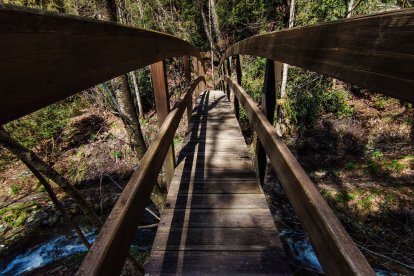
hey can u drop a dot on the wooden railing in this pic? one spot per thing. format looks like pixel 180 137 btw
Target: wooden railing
pixel 46 57
pixel 374 52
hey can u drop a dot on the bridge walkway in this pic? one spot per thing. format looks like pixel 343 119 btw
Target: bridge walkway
pixel 216 219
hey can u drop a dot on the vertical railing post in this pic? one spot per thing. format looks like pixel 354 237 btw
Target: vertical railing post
pixel 196 75
pixel 222 81
pixel 228 74
pixel 162 104
pixel 239 80
pixel 187 77
pixel 268 108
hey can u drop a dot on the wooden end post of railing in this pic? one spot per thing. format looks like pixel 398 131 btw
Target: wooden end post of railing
pixel 335 249
pixel 268 109
pixel 107 254
pixel 229 74
pixel 197 73
pixel 187 77
pixel 239 80
pixel 162 105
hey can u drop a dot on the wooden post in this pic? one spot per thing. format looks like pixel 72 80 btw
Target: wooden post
pixel 196 75
pixel 228 74
pixel 239 80
pixel 187 76
pixel 201 73
pixel 162 104
pixel 268 109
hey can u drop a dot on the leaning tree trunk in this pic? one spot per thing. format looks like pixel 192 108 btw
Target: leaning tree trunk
pixel 31 158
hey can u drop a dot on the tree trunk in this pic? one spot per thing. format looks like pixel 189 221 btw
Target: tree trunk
pixel 216 25
pixel 207 29
pixel 58 204
pixel 126 108
pixel 137 94
pixel 29 157
pixel 106 10
pixel 285 72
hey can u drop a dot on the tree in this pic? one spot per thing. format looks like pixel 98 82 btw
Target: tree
pixel 107 10
pixel 285 72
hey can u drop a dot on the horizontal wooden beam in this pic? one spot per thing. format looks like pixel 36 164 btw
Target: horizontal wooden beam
pixel 335 249
pixel 108 253
pixel 374 52
pixel 46 57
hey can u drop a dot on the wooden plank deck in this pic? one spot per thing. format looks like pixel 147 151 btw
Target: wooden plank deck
pixel 216 219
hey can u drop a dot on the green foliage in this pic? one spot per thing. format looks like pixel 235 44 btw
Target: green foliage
pixel 351 166
pixel 305 91
pixel 366 202
pixel 377 154
pixel 145 88
pixel 46 123
pixel 15 215
pixel 336 101
pixel 394 166
pixel 372 167
pixel 15 189
pixel 253 77
pixel 343 197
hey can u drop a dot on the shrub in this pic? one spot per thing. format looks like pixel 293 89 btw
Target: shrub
pixel 46 123
pixel 336 101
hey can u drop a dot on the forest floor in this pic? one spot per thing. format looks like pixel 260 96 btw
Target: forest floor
pixel 93 153
pixel 364 167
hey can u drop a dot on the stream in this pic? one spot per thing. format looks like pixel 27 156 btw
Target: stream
pixel 62 246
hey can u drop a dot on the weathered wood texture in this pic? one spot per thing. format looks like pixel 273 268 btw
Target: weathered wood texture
pixel 216 219
pixel 335 249
pixel 239 80
pixel 374 52
pixel 46 57
pixel 187 77
pixel 162 104
pixel 107 255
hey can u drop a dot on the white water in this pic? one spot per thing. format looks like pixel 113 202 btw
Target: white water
pixel 48 252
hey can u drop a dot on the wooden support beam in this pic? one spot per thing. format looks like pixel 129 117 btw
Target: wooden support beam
pixel 268 109
pixel 162 104
pixel 197 73
pixel 335 249
pixel 239 80
pixel 46 57
pixel 108 252
pixel 187 77
pixel 228 74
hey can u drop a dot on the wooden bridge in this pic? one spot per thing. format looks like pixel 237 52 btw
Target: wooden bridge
pixel 216 220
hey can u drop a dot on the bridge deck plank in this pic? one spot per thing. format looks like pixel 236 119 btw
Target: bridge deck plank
pixel 216 219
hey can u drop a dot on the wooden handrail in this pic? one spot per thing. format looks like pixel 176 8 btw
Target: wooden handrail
pixel 107 254
pixel 46 57
pixel 374 52
pixel 335 249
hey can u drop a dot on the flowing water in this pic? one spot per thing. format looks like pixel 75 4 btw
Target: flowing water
pixel 62 246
